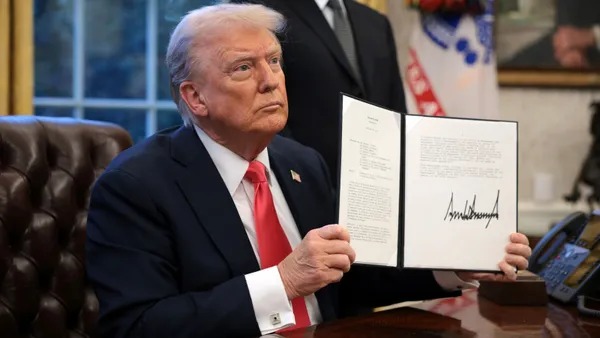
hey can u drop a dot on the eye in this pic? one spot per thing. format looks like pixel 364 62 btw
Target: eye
pixel 243 68
pixel 275 60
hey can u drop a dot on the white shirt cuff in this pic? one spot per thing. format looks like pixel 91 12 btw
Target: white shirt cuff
pixel 449 281
pixel 272 308
pixel 596 32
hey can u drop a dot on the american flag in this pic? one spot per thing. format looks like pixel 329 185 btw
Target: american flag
pixel 295 176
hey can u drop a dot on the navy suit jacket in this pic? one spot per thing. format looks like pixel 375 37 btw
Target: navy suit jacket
pixel 167 251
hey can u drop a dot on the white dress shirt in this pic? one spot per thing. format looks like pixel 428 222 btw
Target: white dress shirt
pixel 272 309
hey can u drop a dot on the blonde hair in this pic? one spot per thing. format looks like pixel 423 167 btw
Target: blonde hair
pixel 199 23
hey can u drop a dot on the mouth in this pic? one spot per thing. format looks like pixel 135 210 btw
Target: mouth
pixel 272 105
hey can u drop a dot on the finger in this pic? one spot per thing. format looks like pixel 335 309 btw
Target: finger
pixel 333 275
pixel 561 41
pixel 474 276
pixel 481 276
pixel 568 61
pixel 334 231
pixel 564 48
pixel 517 237
pixel 518 261
pixel 339 262
pixel 486 276
pixel 556 41
pixel 337 246
pixel 573 61
pixel 508 270
pixel 563 55
pixel 518 249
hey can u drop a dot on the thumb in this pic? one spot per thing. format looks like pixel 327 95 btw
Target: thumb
pixel 334 231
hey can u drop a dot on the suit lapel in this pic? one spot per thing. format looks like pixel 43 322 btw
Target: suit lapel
pixel 206 192
pixel 309 12
pixel 296 193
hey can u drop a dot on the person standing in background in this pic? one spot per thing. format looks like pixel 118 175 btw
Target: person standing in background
pixel 576 40
pixel 573 42
pixel 333 46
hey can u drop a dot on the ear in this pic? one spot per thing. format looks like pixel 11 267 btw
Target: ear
pixel 190 93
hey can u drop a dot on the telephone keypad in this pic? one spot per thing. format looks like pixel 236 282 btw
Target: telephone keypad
pixel 561 266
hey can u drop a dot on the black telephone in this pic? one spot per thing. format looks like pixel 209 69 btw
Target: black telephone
pixel 568 259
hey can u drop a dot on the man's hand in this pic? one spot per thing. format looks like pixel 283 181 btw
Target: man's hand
pixel 569 38
pixel 573 58
pixel 322 258
pixel 517 255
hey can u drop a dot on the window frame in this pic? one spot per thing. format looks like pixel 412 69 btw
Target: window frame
pixel 78 102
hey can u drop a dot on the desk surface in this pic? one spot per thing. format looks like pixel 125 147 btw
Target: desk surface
pixel 465 316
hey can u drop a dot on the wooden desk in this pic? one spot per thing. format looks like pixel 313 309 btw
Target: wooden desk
pixel 465 316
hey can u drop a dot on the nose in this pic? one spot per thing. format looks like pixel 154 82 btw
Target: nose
pixel 268 81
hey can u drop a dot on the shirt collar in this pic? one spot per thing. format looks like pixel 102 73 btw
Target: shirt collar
pixel 322 4
pixel 230 165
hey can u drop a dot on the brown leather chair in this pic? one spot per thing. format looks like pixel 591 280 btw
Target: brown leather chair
pixel 47 167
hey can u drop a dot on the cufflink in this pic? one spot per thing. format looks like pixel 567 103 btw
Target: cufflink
pixel 275 319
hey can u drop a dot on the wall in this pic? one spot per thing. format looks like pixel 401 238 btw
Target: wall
pixel 553 133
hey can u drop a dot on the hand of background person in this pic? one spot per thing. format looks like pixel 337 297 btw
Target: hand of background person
pixel 572 59
pixel 570 46
pixel 517 255
pixel 568 38
pixel 323 256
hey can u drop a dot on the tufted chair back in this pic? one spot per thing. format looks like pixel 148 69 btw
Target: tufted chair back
pixel 47 167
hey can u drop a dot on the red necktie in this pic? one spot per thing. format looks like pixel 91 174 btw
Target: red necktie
pixel 273 245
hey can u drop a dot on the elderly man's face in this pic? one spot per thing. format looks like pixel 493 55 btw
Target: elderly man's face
pixel 242 83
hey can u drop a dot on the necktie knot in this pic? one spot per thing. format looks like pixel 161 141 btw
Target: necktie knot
pixel 334 4
pixel 256 172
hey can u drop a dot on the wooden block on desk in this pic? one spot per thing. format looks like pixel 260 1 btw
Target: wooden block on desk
pixel 514 318
pixel 529 289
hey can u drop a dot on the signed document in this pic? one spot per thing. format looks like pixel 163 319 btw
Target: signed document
pixel 426 192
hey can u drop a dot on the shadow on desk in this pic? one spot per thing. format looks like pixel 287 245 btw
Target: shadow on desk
pixel 466 316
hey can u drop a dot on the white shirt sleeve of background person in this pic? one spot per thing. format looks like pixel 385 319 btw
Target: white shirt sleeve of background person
pixel 272 308
pixel 449 281
pixel 596 32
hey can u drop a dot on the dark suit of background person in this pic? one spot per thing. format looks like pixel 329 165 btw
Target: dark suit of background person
pixel 167 251
pixel 317 69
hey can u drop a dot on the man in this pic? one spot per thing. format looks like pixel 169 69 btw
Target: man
pixel 221 228
pixel 576 40
pixel 333 46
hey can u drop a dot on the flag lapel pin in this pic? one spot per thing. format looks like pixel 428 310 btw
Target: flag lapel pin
pixel 295 176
